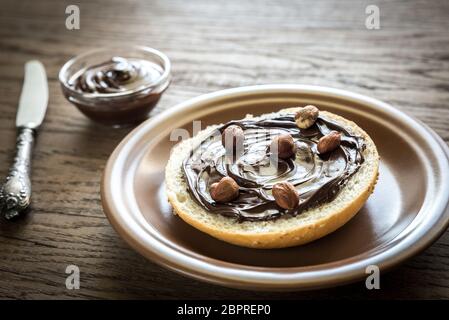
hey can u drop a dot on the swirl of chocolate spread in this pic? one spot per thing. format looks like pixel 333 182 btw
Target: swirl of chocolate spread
pixel 117 75
pixel 317 178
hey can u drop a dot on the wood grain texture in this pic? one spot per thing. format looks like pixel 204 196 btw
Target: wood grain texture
pixel 212 46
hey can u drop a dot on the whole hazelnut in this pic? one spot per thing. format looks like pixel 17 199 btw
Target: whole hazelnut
pixel 232 136
pixel 329 142
pixel 224 190
pixel 306 116
pixel 285 195
pixel 283 145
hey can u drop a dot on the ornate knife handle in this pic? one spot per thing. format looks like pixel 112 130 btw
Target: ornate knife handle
pixel 15 194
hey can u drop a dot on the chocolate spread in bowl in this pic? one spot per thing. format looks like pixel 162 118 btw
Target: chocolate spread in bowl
pixel 317 178
pixel 117 91
pixel 117 75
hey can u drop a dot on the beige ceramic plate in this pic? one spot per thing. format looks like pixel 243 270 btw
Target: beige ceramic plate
pixel 407 212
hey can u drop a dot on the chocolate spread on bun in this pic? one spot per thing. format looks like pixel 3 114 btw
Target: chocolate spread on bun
pixel 317 176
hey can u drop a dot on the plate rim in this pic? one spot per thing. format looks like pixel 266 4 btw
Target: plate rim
pixel 254 278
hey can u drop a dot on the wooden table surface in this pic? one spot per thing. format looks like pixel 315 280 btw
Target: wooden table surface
pixel 212 46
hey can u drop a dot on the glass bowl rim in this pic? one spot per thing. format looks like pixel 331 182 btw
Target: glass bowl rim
pixel 165 76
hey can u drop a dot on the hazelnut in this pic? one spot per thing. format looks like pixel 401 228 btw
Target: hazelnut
pixel 234 134
pixel 329 142
pixel 225 190
pixel 283 145
pixel 306 117
pixel 285 195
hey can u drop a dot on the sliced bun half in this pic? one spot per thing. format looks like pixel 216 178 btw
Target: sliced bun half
pixel 286 231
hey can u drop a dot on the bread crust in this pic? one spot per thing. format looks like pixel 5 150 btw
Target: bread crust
pixel 297 232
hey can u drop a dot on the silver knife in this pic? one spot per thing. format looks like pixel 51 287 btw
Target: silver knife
pixel 15 194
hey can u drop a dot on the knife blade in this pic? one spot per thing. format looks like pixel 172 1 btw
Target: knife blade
pixel 34 97
pixel 15 194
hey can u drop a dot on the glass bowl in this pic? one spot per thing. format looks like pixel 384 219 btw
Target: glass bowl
pixel 116 86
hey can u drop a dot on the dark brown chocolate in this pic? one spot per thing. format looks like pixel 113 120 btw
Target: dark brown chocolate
pixel 117 75
pixel 317 178
pixel 117 91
